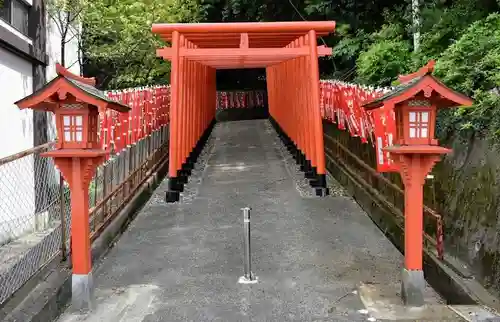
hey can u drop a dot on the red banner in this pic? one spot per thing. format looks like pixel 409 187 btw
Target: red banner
pixel 340 103
pixel 343 104
pixel 149 110
pixel 239 99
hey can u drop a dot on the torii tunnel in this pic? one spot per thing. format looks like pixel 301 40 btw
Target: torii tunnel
pixel 287 50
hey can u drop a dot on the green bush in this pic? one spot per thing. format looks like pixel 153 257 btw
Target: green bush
pixel 472 66
pixel 383 61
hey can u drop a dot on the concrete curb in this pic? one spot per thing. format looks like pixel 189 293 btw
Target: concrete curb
pixel 443 278
pixel 51 296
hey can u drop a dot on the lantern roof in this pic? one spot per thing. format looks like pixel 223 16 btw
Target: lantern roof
pixel 48 97
pixel 421 81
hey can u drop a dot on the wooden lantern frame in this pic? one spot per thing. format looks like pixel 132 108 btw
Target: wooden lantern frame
pixel 70 90
pixel 404 99
pixel 404 123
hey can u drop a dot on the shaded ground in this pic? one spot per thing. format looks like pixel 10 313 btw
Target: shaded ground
pixel 181 262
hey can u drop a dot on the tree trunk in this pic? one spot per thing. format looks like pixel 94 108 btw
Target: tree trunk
pixel 63 50
pixel 415 4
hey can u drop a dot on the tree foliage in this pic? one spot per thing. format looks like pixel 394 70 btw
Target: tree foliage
pixel 114 28
pixel 373 43
pixel 471 65
pixel 383 61
pixel 118 44
pixel 462 36
pixel 67 16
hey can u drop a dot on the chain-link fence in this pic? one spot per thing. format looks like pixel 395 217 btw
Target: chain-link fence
pixel 35 215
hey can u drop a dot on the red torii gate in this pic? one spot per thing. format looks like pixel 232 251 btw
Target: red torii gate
pixel 288 51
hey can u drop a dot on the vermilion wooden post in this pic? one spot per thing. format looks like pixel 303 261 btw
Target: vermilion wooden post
pixel 310 171
pixel 206 98
pixel 197 103
pixel 202 89
pixel 287 117
pixel 299 116
pixel 298 110
pixel 195 107
pixel 320 181
pixel 189 101
pixel 309 155
pixel 181 139
pixel 201 102
pixel 192 106
pixel 293 84
pixel 285 88
pixel 298 107
pixel 189 105
pixel 174 115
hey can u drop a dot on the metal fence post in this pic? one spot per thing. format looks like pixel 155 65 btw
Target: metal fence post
pixel 62 213
pixel 105 188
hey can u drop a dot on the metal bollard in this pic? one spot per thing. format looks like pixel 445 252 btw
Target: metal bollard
pixel 248 277
pixel 246 231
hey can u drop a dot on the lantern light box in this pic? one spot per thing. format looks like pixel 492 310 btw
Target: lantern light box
pixel 76 104
pixel 415 104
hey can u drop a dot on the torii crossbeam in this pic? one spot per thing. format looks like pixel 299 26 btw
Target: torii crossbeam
pixel 288 51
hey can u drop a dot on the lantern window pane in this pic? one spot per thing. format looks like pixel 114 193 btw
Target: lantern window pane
pixel 423 132
pixel 79 119
pixel 413 117
pixel 412 132
pixel 425 116
pixel 73 128
pixel 419 124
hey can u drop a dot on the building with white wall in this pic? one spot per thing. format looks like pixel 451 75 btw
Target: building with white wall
pixel 29 48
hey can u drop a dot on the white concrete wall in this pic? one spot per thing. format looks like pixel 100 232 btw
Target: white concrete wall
pixel 17 194
pixel 16 130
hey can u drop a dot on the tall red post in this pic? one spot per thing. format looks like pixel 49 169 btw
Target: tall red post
pixel 320 180
pixel 181 139
pixel 174 111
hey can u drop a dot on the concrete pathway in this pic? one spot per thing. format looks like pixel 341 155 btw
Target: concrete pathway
pixel 181 262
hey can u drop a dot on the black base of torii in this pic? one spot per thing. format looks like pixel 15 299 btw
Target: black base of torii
pixel 176 184
pixel 316 181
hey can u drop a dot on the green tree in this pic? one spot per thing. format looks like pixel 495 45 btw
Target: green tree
pixel 385 58
pixel 118 44
pixel 67 16
pixel 444 25
pixel 470 65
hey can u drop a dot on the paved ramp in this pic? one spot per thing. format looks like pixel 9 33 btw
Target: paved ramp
pixel 181 262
